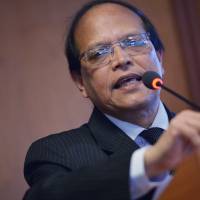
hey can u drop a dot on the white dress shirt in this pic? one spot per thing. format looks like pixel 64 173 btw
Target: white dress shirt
pixel 140 184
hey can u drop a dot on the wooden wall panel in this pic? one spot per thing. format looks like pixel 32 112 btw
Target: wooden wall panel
pixel 187 15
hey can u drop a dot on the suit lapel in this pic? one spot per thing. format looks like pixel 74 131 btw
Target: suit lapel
pixel 169 113
pixel 108 136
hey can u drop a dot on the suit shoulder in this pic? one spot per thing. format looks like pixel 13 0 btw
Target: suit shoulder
pixel 61 147
pixel 70 149
pixel 62 139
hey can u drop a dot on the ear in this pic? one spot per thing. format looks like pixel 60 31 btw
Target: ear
pixel 79 83
pixel 160 58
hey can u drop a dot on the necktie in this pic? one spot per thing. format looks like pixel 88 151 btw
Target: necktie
pixel 151 135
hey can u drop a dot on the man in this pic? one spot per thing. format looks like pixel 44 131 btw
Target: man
pixel 110 45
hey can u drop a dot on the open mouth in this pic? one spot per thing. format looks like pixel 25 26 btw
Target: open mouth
pixel 127 80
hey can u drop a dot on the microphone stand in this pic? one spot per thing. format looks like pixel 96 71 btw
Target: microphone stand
pixel 195 106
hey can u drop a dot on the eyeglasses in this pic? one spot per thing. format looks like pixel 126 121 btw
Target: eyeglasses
pixel 133 44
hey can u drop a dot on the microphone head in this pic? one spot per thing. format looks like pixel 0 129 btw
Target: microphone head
pixel 152 80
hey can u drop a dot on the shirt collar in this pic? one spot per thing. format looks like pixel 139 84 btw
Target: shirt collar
pixel 132 130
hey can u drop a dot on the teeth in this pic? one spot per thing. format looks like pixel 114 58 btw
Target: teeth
pixel 127 81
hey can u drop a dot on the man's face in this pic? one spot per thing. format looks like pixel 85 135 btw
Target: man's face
pixel 105 24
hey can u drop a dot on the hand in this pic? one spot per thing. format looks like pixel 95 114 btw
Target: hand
pixel 181 139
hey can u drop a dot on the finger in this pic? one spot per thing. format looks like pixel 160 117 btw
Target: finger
pixel 189 115
pixel 193 123
pixel 188 133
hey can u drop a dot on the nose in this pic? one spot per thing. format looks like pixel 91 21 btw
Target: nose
pixel 120 58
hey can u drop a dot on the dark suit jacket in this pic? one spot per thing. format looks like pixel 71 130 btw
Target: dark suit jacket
pixel 90 163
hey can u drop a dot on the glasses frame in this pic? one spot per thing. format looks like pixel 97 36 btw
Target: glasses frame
pixel 145 37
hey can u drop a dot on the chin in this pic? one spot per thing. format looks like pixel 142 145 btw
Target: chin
pixel 140 102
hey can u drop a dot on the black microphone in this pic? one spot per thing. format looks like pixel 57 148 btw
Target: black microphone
pixel 152 80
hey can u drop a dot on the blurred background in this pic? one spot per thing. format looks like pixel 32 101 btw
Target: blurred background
pixel 37 95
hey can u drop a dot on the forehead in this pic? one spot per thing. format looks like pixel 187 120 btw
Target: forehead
pixel 105 23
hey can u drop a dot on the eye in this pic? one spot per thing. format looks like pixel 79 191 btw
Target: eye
pixel 96 54
pixel 134 43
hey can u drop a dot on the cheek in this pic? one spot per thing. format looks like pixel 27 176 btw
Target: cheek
pixel 156 62
pixel 150 62
pixel 98 83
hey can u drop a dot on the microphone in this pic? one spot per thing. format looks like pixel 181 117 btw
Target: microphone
pixel 152 80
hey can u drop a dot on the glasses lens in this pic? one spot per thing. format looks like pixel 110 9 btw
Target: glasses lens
pixel 98 55
pixel 137 45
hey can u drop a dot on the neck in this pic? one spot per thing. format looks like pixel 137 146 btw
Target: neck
pixel 143 115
